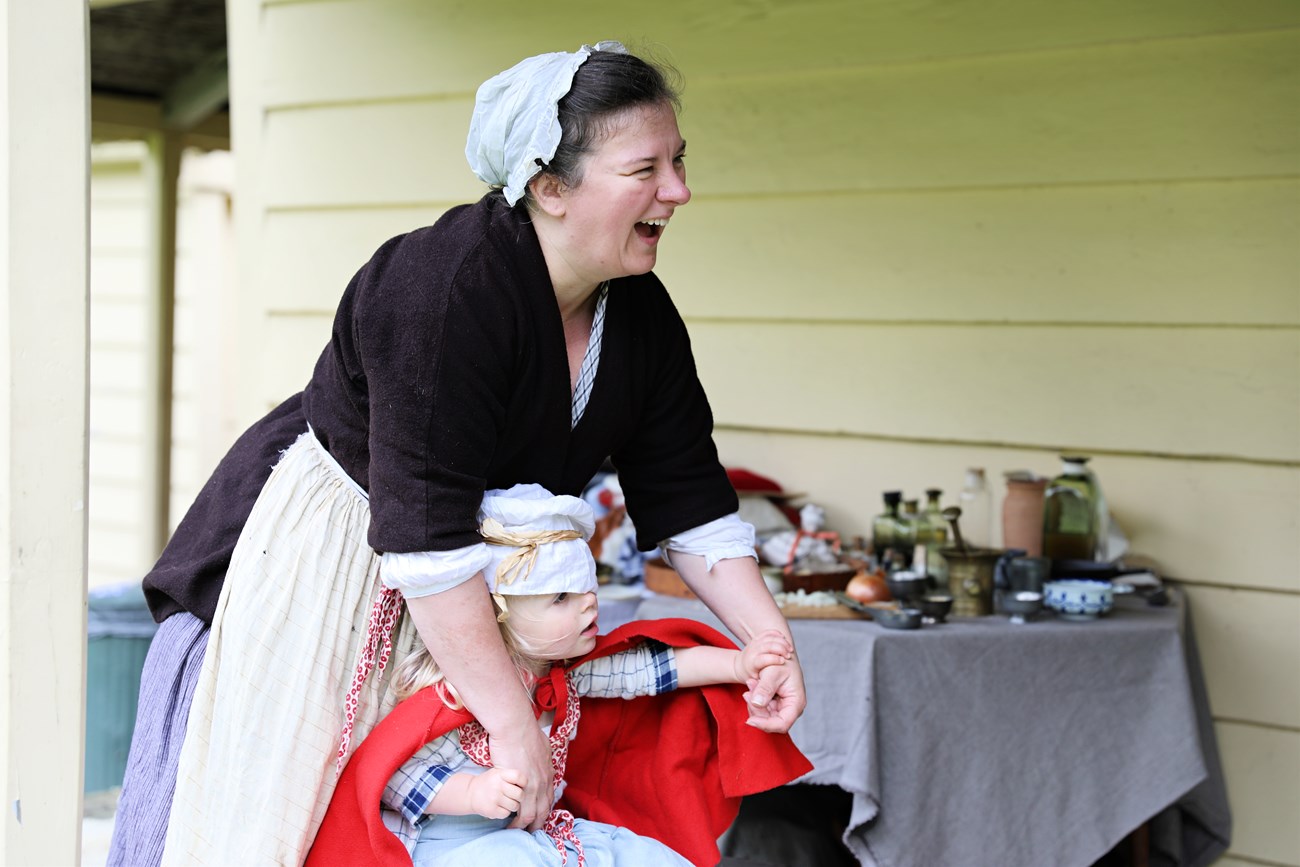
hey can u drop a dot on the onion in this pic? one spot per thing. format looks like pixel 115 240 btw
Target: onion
pixel 868 587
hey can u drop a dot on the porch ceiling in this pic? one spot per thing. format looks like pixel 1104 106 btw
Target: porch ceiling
pixel 169 51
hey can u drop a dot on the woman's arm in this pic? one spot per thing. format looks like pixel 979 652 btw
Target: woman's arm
pixel 460 630
pixel 735 592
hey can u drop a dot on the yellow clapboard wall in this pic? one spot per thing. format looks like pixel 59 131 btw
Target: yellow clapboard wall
pixel 117 510
pixel 119 506
pixel 924 237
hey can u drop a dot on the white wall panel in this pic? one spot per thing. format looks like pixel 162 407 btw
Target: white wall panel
pixel 1166 253
pixel 323 249
pixel 290 354
pixel 1262 767
pixel 1251 657
pixel 361 50
pixel 385 154
pixel 1144 112
pixel 1128 389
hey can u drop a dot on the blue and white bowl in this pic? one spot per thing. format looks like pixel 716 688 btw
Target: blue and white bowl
pixel 1077 599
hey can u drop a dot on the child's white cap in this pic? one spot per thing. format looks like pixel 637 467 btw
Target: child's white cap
pixel 537 541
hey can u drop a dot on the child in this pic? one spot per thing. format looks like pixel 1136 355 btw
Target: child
pixel 446 804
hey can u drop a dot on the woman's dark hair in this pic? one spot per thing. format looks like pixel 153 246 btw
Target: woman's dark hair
pixel 605 85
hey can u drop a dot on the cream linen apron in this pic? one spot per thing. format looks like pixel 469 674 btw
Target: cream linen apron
pixel 258 765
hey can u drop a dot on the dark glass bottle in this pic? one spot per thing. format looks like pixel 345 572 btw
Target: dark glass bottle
pixel 936 537
pixel 1070 513
pixel 910 531
pixel 884 527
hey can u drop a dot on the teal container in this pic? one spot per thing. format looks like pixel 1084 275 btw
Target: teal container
pixel 119 628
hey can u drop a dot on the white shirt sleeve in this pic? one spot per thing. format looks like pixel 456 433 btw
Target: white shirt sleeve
pixel 424 573
pixel 725 538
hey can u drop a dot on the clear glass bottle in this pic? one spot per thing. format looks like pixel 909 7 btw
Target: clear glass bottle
pixel 976 502
pixel 1070 512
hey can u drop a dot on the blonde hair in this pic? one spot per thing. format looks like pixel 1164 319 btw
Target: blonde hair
pixel 419 670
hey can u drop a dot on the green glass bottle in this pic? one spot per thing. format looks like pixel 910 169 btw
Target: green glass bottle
pixel 936 537
pixel 1070 512
pixel 885 525
pixel 910 532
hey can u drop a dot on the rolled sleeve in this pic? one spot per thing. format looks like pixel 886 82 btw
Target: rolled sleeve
pixel 424 573
pixel 725 538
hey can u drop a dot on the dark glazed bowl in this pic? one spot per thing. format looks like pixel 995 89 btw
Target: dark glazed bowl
pixel 1022 605
pixel 907 586
pixel 897 618
pixel 935 608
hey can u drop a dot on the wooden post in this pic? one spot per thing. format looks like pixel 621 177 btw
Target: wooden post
pixel 162 173
pixel 44 250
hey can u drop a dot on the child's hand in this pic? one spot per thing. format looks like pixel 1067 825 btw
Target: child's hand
pixel 767 648
pixel 495 793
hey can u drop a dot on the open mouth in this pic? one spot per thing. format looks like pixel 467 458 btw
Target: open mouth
pixel 651 229
pixel 590 630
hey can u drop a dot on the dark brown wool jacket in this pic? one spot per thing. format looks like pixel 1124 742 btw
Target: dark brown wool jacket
pixel 447 375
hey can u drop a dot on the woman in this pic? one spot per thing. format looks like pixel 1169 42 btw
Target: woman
pixel 520 339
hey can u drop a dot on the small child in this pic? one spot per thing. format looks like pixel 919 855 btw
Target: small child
pixel 447 804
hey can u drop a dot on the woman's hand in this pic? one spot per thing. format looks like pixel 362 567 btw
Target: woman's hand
pixel 734 590
pixel 459 627
pixel 776 697
pixel 528 751
pixel 496 792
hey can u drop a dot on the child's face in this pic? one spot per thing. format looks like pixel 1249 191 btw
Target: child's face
pixel 557 625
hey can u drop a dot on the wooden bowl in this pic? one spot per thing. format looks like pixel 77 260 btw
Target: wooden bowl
pixel 662 578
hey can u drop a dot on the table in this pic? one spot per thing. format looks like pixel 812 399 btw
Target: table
pixel 980 742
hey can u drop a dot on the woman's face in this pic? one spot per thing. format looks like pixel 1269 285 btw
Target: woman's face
pixel 631 184
pixel 555 626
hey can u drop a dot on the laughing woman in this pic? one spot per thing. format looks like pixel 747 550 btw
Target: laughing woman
pixel 521 339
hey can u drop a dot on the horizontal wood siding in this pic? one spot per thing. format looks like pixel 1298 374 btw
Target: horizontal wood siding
pixel 1196 252
pixel 924 237
pixel 1263 816
pixel 120 508
pixel 1111 389
pixel 206 335
pixel 117 512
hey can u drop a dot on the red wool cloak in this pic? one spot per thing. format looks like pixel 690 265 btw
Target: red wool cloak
pixel 672 766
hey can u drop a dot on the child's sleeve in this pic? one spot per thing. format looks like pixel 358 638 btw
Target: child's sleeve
pixel 647 669
pixel 416 782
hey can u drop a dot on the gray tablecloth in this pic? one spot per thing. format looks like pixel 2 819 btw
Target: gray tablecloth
pixel 980 742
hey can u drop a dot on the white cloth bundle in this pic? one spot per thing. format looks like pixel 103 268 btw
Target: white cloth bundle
pixel 530 564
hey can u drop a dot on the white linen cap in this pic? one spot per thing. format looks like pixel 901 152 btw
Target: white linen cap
pixel 516 120
pixel 537 542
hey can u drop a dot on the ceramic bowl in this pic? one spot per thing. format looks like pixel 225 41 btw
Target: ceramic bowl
pixel 1079 599
pixel 897 618
pixel 934 609
pixel 1022 604
pixel 907 586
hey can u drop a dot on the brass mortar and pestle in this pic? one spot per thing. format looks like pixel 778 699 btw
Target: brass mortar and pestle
pixel 970 572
